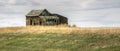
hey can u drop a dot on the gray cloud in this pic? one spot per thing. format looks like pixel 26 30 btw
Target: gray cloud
pixel 80 12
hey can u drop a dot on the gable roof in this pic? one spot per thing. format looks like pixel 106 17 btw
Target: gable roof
pixel 59 15
pixel 35 12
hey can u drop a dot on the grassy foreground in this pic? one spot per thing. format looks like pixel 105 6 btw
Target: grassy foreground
pixel 48 41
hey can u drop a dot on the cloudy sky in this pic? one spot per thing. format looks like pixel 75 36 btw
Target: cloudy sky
pixel 83 13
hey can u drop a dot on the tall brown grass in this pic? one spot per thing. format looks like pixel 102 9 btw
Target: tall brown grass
pixel 61 29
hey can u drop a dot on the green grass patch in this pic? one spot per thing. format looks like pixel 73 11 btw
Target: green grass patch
pixel 59 42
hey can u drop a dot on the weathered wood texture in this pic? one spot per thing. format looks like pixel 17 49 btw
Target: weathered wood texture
pixel 44 18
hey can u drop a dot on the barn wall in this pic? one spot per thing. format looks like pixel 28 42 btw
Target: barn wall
pixel 63 20
pixel 27 20
pixel 49 20
pixel 43 21
pixel 33 20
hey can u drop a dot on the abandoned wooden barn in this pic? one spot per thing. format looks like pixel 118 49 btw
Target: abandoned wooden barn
pixel 43 17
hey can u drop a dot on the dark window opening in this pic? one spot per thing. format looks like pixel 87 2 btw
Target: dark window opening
pixel 49 20
pixel 40 22
pixel 34 23
pixel 30 22
pixel 55 20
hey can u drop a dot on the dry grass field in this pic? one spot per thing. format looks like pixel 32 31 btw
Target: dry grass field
pixel 60 29
pixel 59 38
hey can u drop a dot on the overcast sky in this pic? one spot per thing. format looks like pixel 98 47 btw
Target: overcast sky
pixel 83 13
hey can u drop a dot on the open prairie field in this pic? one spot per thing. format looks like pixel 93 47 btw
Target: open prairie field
pixel 60 29
pixel 58 38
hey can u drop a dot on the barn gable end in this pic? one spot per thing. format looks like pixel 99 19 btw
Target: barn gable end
pixel 41 12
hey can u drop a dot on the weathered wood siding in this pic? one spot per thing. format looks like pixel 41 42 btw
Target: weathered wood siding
pixel 33 20
pixel 45 18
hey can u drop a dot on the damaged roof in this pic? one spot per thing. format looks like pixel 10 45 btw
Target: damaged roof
pixel 35 12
